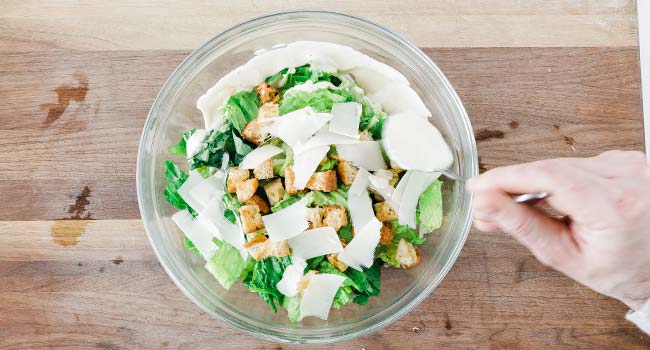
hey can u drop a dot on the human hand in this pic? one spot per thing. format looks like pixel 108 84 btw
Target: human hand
pixel 604 244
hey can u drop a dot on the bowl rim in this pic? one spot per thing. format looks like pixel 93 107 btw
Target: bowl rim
pixel 243 325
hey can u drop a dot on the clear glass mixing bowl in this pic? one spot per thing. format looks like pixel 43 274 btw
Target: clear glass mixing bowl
pixel 174 111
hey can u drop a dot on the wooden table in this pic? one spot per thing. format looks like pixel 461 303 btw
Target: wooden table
pixel 539 79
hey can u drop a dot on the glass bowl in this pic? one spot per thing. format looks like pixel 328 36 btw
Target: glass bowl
pixel 174 111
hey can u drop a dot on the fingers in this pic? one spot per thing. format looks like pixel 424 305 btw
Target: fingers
pixel 548 239
pixel 573 191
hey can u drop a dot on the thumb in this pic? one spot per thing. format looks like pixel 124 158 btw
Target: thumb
pixel 547 238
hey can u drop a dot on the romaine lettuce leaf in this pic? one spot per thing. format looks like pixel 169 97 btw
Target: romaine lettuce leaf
pixel 232 205
pixel 180 148
pixel 264 278
pixel 189 245
pixel 328 165
pixel 175 178
pixel 287 201
pixel 293 307
pixel 241 109
pixel 429 213
pixel 320 100
pixel 226 265
pixel 388 254
pixel 337 197
pixel 300 75
pixel 345 232
pixel 406 233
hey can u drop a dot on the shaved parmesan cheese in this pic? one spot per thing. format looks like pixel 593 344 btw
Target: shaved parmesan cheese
pixel 366 154
pixel 361 249
pixel 298 126
pixel 292 275
pixel 345 118
pixel 195 142
pixel 319 294
pixel 325 137
pixel 287 222
pixel 305 164
pixel 361 211
pixel 207 190
pixel 417 182
pixel 396 99
pixel 380 184
pixel 200 235
pixel 316 242
pixel 401 186
pixel 259 155
pixel 415 144
pixel 184 191
pixel 213 217
pixel 359 183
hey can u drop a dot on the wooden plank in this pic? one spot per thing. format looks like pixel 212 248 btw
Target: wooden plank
pixel 587 92
pixel 79 297
pixel 27 26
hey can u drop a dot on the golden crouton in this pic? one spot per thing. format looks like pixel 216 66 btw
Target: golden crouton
pixel 304 282
pixel 274 191
pixel 251 218
pixel 255 132
pixel 260 202
pixel 235 176
pixel 289 179
pixel 323 181
pixel 264 170
pixel 335 216
pixel 347 172
pixel 268 110
pixel 277 249
pixel 261 247
pixel 257 247
pixel 407 255
pixel 395 179
pixel 386 234
pixel 384 212
pixel 334 260
pixel 267 93
pixel 246 189
pixel 315 217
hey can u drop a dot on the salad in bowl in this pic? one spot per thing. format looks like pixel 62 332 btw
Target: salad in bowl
pixel 314 170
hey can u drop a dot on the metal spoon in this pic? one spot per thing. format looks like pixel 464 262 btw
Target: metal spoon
pixel 520 198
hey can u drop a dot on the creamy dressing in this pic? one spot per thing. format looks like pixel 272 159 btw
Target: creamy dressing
pixel 310 86
pixel 371 75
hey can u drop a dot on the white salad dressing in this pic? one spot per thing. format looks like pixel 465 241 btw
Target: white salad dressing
pixel 373 76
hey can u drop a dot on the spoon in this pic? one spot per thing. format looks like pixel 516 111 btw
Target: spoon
pixel 520 198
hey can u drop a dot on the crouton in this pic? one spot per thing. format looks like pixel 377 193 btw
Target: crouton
pixel 235 176
pixel 260 202
pixel 251 218
pixel 335 216
pixel 323 181
pixel 384 212
pixel 268 110
pixel 315 217
pixel 261 247
pixel 407 255
pixel 386 234
pixel 267 93
pixel 246 189
pixel 274 191
pixel 264 170
pixel 277 249
pixel 255 132
pixel 334 260
pixel 395 179
pixel 257 247
pixel 304 282
pixel 347 172
pixel 289 179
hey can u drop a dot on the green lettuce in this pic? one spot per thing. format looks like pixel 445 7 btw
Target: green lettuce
pixel 388 254
pixel 320 100
pixel 217 143
pixel 345 232
pixel 265 276
pixel 189 245
pixel 429 213
pixel 300 75
pixel 358 286
pixel 175 179
pixel 232 205
pixel 283 159
pixel 293 307
pixel 180 148
pixel 226 265
pixel 328 165
pixel 406 233
pixel 241 109
pixel 337 197
pixel 287 201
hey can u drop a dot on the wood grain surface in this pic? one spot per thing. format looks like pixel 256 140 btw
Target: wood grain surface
pixel 539 79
